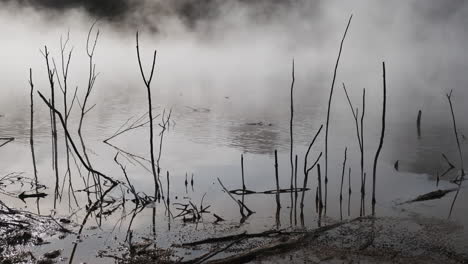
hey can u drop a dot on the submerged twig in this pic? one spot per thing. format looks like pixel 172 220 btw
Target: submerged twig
pixel 6 140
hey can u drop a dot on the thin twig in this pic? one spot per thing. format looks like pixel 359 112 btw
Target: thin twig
pixel 331 95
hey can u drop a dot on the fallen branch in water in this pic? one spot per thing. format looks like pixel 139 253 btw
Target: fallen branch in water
pixel 6 140
pixel 247 192
pixel 430 196
pixel 280 246
pixel 241 205
pixel 24 195
pixel 244 235
pixel 450 168
pixel 218 218
pixel 448 162
pixel 75 149
pixel 209 255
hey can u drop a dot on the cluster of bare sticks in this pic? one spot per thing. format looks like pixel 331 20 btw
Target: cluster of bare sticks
pixel 97 185
pixel 321 184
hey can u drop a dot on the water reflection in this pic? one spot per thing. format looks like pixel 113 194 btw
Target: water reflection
pixel 425 154
pixel 255 138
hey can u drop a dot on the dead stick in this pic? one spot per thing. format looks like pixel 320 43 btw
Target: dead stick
pixel 291 150
pixel 242 171
pixel 331 95
pixel 72 143
pixel 150 112
pixel 374 177
pixel 278 203
pixel 342 174
pixel 455 130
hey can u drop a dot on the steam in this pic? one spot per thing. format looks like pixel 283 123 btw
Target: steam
pixel 109 9
pixel 150 13
pixel 214 48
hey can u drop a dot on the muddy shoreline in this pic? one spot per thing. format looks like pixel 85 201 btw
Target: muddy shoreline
pixel 409 238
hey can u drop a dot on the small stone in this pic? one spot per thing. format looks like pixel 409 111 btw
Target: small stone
pixel 52 254
pixel 65 221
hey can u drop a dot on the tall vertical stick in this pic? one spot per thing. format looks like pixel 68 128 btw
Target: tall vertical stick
pixel 150 111
pixel 291 150
pixel 363 179
pixel 331 95
pixel 242 171
pixel 277 180
pixel 455 130
pixel 65 63
pixel 381 137
pixel 92 76
pixel 31 134
pixel 50 74
pixel 458 180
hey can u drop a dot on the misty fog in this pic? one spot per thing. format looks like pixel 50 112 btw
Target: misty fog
pixel 243 51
